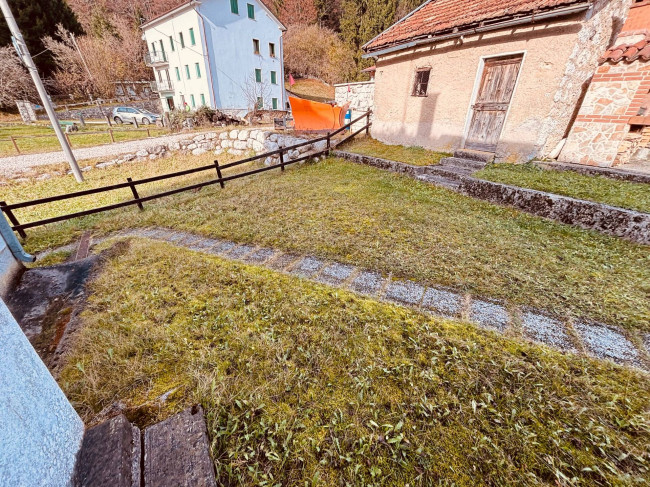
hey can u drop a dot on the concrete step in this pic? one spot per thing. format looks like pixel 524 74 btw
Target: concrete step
pixel 458 162
pixel 449 172
pixel 475 155
pixel 440 181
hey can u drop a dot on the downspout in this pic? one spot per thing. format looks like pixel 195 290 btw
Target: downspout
pixel 13 243
pixel 476 30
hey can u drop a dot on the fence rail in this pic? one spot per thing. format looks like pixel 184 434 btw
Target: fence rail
pixel 8 209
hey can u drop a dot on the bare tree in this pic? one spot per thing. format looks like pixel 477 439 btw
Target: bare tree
pixel 257 94
pixel 15 83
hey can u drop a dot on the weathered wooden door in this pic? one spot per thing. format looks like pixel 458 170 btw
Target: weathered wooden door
pixel 489 110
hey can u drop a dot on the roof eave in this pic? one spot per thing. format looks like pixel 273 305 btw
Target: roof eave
pixel 161 18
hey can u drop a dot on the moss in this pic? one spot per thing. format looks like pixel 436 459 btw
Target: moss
pixel 303 384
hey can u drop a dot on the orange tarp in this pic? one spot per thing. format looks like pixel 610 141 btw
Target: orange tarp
pixel 312 115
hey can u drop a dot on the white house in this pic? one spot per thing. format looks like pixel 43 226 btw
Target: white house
pixel 226 54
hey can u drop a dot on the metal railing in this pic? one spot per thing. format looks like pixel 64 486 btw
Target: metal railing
pixel 160 86
pixel 8 209
pixel 153 58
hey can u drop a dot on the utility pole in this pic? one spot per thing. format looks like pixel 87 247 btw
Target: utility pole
pixel 26 58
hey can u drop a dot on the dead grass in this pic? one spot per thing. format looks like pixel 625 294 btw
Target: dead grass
pixel 416 156
pixel 307 385
pixel 312 89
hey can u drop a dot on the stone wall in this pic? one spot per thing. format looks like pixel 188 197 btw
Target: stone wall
pixel 361 97
pixel 10 268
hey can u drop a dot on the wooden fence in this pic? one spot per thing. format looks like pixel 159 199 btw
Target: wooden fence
pixel 8 209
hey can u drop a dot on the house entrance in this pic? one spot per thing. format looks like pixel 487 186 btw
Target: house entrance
pixel 489 110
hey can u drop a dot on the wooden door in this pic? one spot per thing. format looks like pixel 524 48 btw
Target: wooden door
pixel 491 105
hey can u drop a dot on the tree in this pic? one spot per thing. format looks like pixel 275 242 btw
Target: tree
pixel 15 82
pixel 256 93
pixel 317 52
pixel 293 12
pixel 38 19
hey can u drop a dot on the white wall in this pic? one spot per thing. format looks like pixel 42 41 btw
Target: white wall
pixel 40 432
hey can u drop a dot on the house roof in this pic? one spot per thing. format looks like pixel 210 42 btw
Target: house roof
pixel 627 52
pixel 436 17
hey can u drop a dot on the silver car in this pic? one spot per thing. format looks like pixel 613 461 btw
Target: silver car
pixel 130 115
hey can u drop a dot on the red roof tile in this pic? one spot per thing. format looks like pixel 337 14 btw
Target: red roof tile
pixel 627 52
pixel 441 16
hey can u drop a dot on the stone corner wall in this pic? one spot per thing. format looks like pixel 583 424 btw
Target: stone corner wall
pixel 360 95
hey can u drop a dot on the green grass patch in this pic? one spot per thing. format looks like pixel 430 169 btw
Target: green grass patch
pixel 307 385
pixel 379 220
pixel 624 194
pixel 417 156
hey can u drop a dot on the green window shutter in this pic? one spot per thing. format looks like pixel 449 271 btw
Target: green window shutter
pixel 202 99
pixel 260 102
pixel 234 6
pixel 198 70
pixel 192 38
pixel 274 80
pixel 180 38
pixel 251 11
pixel 171 43
pixel 258 75
pixel 153 47
pixel 193 101
pixel 274 102
pixel 187 71
pixel 162 46
pixel 178 74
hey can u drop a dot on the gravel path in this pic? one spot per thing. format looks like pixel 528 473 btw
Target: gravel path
pixel 15 165
pixel 593 339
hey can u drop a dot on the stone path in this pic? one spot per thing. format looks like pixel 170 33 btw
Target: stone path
pixel 594 339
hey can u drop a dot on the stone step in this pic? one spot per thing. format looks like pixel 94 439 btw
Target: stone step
pixel 449 172
pixel 458 162
pixel 440 181
pixel 475 155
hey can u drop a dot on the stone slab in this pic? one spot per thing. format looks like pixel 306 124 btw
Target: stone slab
pixel 442 301
pixel 367 282
pixel 240 251
pixel 546 330
pixel 336 273
pixel 307 267
pixel 283 261
pixel 407 292
pixel 222 247
pixel 260 256
pixel 489 315
pixel 110 455
pixel 177 452
pixel 607 343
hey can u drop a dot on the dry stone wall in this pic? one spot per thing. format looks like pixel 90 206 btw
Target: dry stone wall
pixel 361 97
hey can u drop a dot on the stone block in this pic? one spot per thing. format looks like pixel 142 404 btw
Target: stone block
pixel 283 261
pixel 407 292
pixel 307 267
pixel 223 135
pixel 271 146
pixel 243 135
pixel 198 138
pixel 260 256
pixel 367 282
pixel 240 251
pixel 226 144
pixel 240 144
pixel 607 343
pixel 257 146
pixel 198 151
pixel 234 134
pixel 141 153
pixel 546 330
pixel 336 273
pixel 489 315
pixel 211 135
pixel 446 303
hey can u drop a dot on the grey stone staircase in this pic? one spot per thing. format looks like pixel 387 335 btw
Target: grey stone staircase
pixel 451 170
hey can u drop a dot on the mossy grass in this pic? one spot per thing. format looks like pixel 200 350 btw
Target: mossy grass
pixel 414 155
pixel 308 385
pixel 379 220
pixel 624 194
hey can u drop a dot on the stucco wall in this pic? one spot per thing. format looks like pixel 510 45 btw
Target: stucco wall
pixel 41 433
pixel 559 57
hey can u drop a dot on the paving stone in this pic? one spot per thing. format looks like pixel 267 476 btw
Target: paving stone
pixel 189 239
pixel 546 330
pixel 283 261
pixel 608 343
pixel 367 282
pixel 489 315
pixel 176 237
pixel 260 256
pixel 202 244
pixel 407 292
pixel 442 301
pixel 307 267
pixel 160 234
pixel 221 247
pixel 335 273
pixel 240 251
pixel 177 452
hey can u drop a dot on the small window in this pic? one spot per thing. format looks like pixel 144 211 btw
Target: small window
pixel 234 6
pixel 251 11
pixel 187 71
pixel 178 74
pixel 162 46
pixel 421 82
pixel 256 46
pixel 153 47
pixel 171 43
pixel 274 78
pixel 192 101
pixel 192 38
pixel 260 102
pixel 198 70
pixel 202 99
pixel 274 103
pixel 182 41
pixel 258 75
pixel 271 49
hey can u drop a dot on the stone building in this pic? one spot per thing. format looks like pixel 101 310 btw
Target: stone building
pixel 612 127
pixel 500 76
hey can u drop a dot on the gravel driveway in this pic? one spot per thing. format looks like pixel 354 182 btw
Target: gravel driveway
pixel 15 165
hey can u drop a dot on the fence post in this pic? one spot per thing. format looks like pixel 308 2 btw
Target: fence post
pixel 15 144
pixel 221 183
pixel 329 143
pixel 135 122
pixel 12 218
pixel 135 192
pixel 67 137
pixel 110 131
pixel 281 159
pixel 368 123
pixel 108 119
pixel 148 133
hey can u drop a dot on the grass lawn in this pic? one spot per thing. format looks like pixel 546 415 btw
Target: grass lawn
pixel 312 89
pixel 635 196
pixel 306 385
pixel 417 156
pixel 379 220
pixel 83 138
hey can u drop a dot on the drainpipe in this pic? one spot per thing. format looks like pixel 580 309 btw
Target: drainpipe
pixel 13 243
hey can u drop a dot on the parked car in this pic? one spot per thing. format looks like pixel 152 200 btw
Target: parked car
pixel 131 114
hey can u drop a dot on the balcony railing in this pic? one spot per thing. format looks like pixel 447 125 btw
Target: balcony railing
pixel 162 86
pixel 155 58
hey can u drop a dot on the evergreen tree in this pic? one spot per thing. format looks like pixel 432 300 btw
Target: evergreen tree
pixel 36 20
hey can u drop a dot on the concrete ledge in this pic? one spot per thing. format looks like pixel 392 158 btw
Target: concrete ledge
pixel 386 164
pixel 609 172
